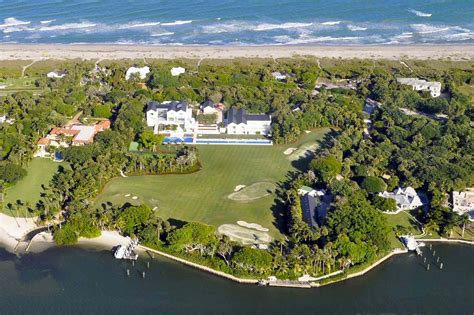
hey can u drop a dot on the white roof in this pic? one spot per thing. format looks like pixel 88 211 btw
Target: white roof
pixel 177 71
pixel 416 81
pixel 142 72
pixel 86 133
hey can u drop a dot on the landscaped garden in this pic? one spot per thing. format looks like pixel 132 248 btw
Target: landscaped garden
pixel 204 196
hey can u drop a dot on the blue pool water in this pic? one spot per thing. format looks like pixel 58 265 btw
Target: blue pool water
pixel 243 22
pixel 233 141
pixel 177 140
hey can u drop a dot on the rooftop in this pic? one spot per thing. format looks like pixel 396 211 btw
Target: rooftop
pixel 239 116
pixel 174 105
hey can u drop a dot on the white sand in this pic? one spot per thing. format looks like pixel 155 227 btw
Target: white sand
pixel 244 235
pixel 101 51
pixel 238 187
pixel 12 230
pixel 11 233
pixel 289 151
pixel 127 195
pixel 135 197
pixel 254 226
pixel 107 240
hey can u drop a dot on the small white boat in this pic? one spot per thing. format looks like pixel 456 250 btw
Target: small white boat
pixel 120 252
pixel 411 244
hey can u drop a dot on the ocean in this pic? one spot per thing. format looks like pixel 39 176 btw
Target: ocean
pixel 243 22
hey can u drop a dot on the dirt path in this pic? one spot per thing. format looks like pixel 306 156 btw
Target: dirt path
pixel 23 69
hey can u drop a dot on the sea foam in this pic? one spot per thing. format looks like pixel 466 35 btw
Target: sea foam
pixel 162 34
pixel 356 28
pixel 331 23
pixel 67 26
pixel 419 13
pixel 268 27
pixel 178 22
pixel 138 25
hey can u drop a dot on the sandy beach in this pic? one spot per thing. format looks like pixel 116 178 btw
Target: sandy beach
pixel 13 229
pixel 111 52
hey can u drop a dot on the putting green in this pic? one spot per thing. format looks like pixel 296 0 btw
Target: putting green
pixel 253 192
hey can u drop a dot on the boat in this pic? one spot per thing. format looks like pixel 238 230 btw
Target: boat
pixel 119 252
pixel 127 252
pixel 411 244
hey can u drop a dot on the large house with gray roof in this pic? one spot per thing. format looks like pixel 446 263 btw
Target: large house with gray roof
pixel 175 118
pixel 239 122
pixel 405 198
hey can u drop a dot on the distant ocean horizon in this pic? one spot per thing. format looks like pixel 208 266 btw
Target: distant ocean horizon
pixel 244 22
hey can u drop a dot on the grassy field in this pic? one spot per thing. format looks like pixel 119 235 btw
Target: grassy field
pixel 203 196
pixel 13 85
pixel 401 219
pixel 467 90
pixel 28 190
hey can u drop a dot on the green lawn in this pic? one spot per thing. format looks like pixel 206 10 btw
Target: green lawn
pixel 13 85
pixel 28 190
pixel 401 219
pixel 203 196
pixel 467 90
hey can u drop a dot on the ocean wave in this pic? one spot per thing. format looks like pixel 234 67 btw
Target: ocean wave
pixel 11 21
pixel 428 29
pixel 419 13
pixel 459 36
pixel 331 23
pixel 287 40
pixel 178 22
pixel 356 28
pixel 268 27
pixel 47 21
pixel 230 27
pixel 138 25
pixel 67 26
pixel 162 34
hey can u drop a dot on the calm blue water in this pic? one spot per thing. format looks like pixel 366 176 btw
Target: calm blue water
pixel 77 281
pixel 244 22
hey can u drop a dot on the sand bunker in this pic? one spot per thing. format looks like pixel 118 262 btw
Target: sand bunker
pixel 239 187
pixel 253 192
pixel 135 197
pixel 254 226
pixel 244 235
pixel 289 151
pixel 127 195
pixel 303 151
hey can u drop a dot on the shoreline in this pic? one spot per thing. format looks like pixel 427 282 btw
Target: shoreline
pixel 11 233
pixel 115 51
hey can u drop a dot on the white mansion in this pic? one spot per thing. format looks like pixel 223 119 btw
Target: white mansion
pixel 406 198
pixel 175 118
pixel 422 85
pixel 239 122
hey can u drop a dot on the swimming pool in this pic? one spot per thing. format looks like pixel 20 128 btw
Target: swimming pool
pixel 235 141
pixel 177 140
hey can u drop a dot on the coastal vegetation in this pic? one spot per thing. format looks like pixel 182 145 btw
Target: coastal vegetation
pixel 183 198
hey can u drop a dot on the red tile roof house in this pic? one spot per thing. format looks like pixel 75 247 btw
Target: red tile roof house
pixel 81 135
